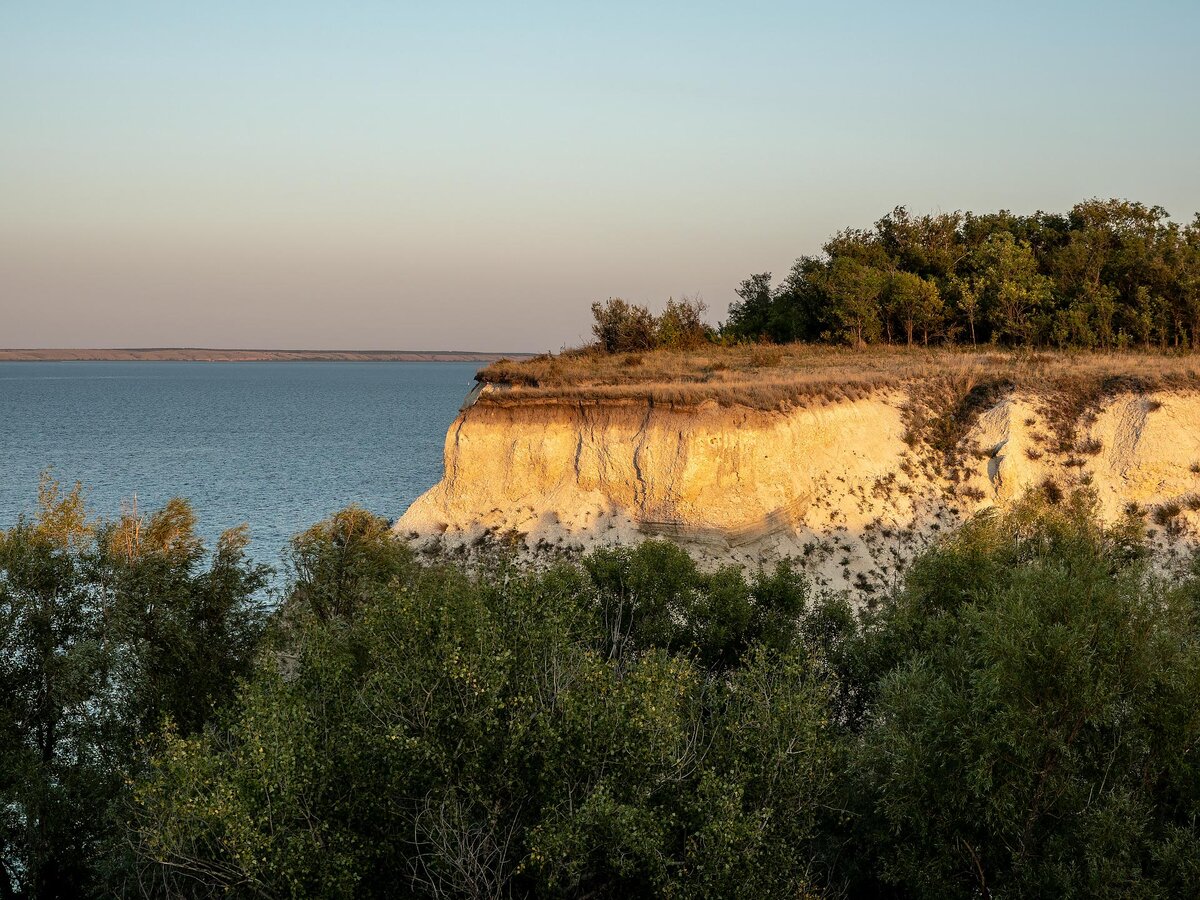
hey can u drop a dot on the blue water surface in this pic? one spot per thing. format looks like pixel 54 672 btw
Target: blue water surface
pixel 278 445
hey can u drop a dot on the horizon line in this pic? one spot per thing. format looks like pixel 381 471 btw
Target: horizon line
pixel 150 354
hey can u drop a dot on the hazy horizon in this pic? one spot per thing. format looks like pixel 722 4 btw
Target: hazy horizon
pixel 471 177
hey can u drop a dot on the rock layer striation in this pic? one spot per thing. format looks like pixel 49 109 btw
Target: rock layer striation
pixel 845 490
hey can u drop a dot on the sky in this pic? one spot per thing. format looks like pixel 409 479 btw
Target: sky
pixel 393 175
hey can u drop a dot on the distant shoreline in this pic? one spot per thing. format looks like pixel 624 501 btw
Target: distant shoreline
pixel 203 354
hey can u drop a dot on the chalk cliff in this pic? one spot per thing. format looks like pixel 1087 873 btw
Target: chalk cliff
pixel 848 490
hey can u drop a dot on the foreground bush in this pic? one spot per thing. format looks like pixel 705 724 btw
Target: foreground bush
pixel 108 629
pixel 1033 728
pixel 1019 720
pixel 506 735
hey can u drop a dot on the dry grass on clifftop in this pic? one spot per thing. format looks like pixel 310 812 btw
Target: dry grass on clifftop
pixel 782 377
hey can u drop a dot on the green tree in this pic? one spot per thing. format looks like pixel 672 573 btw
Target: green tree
pixel 655 597
pixel 338 565
pixel 107 629
pixel 750 315
pixel 1013 289
pixel 53 660
pixel 183 635
pixel 1034 716
pixel 916 301
pixel 967 298
pixel 800 311
pixel 928 246
pixel 1106 274
pixel 854 292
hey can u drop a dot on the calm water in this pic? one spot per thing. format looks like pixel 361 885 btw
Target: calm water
pixel 278 445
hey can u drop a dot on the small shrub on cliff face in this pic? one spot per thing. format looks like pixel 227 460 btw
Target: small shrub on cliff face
pixel 973 493
pixel 1166 513
pixel 1052 491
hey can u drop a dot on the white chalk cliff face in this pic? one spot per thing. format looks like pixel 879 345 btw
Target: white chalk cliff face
pixel 834 488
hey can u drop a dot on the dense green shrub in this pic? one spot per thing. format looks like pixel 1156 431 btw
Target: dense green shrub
pixel 465 736
pixel 340 564
pixel 1033 727
pixel 1017 720
pixel 654 596
pixel 622 327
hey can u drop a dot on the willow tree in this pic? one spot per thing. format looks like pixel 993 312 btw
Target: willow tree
pixel 108 631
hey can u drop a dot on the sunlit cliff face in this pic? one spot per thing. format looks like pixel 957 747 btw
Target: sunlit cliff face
pixel 836 488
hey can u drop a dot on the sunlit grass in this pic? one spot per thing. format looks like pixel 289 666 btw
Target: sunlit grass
pixel 780 377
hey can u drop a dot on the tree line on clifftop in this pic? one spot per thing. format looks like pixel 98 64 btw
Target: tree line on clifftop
pixel 1017 718
pixel 1110 274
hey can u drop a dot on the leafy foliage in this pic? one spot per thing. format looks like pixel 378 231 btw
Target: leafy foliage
pixel 654 596
pixel 465 736
pixel 1032 726
pixel 107 630
pixel 339 564
pixel 1017 720
pixel 622 327
pixel 1109 274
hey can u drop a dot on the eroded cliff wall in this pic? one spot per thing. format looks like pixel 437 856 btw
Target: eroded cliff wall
pixel 846 490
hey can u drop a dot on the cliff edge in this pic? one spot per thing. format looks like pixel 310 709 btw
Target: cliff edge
pixel 848 488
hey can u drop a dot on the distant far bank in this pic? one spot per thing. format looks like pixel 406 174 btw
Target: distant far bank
pixel 202 354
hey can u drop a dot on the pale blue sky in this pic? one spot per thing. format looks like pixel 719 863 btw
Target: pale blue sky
pixel 473 175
